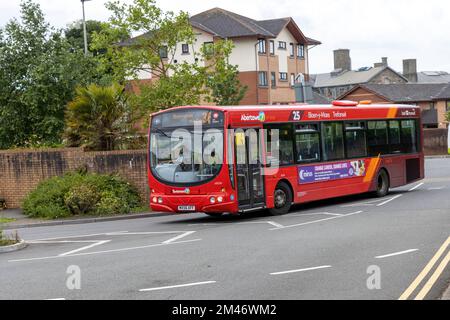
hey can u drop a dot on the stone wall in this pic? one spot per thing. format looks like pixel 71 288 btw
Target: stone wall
pixel 435 142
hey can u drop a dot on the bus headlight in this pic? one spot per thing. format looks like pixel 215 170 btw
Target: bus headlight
pixel 220 199
pixel 212 200
pixel 160 200
pixel 155 200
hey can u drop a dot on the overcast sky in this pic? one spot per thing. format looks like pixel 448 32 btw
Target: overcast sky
pixel 371 29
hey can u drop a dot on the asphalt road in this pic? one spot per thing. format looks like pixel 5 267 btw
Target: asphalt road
pixel 324 250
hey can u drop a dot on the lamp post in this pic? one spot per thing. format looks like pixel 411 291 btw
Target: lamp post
pixel 84 29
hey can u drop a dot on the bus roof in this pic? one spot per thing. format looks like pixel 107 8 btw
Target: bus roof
pixel 239 116
pixel 291 107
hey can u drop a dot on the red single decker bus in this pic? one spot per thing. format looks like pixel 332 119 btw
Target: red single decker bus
pixel 239 159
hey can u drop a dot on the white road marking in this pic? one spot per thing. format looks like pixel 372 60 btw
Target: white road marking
pixel 317 221
pixel 95 244
pixel 106 251
pixel 142 233
pixel 272 223
pixel 396 254
pixel 361 204
pixel 80 236
pixel 418 186
pixel 313 214
pixel 187 233
pixel 178 286
pixel 299 270
pixel 389 200
pixel 276 225
pixel 57 299
pixel 436 188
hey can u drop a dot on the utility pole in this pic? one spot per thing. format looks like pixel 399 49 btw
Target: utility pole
pixel 84 29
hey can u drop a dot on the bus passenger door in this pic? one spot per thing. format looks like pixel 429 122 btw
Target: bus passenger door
pixel 250 182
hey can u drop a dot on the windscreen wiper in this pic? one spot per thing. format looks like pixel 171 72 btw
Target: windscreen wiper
pixel 161 132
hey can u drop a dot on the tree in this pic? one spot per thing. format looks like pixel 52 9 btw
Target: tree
pixel 38 74
pixel 99 118
pixel 222 78
pixel 75 35
pixel 160 33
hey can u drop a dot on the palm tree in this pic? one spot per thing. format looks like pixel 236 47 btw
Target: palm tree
pixel 99 117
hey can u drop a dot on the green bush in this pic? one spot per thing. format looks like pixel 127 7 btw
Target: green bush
pixel 80 194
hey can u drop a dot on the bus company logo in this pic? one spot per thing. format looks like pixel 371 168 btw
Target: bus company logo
pixel 306 175
pixel 261 117
pixel 408 113
pixel 185 191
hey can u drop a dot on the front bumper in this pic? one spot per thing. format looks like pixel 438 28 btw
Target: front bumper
pixel 171 203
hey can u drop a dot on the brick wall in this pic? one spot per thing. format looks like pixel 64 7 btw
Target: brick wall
pixel 22 170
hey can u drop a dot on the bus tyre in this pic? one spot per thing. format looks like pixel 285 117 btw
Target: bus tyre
pixel 214 215
pixel 282 200
pixel 382 184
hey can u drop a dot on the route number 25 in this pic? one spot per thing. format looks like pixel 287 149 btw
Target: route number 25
pixel 296 115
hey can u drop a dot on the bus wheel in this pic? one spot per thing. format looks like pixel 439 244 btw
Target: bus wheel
pixel 382 184
pixel 214 215
pixel 282 199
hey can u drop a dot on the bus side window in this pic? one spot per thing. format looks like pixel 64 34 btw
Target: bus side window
pixel 394 137
pixel 285 145
pixel 377 138
pixel 409 136
pixel 307 141
pixel 333 141
pixel 355 139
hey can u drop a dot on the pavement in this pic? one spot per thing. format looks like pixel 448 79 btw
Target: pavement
pixel 20 220
pixel 352 248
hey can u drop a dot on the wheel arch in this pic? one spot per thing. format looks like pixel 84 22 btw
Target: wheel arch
pixel 289 184
pixel 387 172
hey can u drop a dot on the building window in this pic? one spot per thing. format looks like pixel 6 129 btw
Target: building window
pixel 292 50
pixel 292 79
pixel 208 47
pixel 284 141
pixel 301 51
pixel 263 78
pixel 272 47
pixel 273 79
pixel 307 142
pixel 355 139
pixel 333 141
pixel 262 46
pixel 185 48
pixel 163 52
pixel 432 106
pixel 282 45
pixel 377 138
pixel 283 76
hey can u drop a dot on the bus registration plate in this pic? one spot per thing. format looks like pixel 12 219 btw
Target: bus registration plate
pixel 186 208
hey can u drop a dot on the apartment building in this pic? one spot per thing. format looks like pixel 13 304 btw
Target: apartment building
pixel 270 54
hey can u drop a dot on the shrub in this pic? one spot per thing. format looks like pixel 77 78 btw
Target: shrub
pixel 81 193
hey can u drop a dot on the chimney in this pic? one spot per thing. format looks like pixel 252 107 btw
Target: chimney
pixel 410 70
pixel 384 61
pixel 342 60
